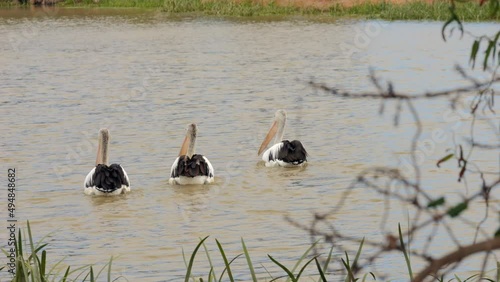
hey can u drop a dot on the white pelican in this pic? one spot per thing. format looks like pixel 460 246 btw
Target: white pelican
pixel 283 153
pixel 106 179
pixel 188 167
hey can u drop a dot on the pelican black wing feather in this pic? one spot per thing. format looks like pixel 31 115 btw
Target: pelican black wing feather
pixel 109 178
pixel 191 167
pixel 292 152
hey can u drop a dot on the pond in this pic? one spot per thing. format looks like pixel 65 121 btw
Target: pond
pixel 66 73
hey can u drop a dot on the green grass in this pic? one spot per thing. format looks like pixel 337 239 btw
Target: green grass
pixel 316 270
pixel 467 11
pixel 440 11
pixel 117 3
pixel 292 274
pixel 32 264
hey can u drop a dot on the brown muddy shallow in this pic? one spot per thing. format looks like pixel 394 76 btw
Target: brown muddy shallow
pixel 145 77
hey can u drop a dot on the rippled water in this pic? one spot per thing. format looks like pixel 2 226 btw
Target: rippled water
pixel 145 76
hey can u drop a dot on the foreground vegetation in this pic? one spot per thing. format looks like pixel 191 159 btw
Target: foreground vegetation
pixel 417 10
pixel 32 264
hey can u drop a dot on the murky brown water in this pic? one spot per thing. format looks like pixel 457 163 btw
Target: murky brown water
pixel 146 76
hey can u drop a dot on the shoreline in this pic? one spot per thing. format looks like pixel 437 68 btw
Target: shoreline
pixel 331 9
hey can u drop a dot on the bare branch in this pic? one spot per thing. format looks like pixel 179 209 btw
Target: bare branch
pixel 431 214
pixel 400 96
pixel 458 255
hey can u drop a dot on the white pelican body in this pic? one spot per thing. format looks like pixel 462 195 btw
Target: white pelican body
pixel 284 153
pixel 190 168
pixel 104 179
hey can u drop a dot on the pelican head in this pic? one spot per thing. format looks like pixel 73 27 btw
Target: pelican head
pixel 280 116
pixel 188 145
pixel 277 129
pixel 102 149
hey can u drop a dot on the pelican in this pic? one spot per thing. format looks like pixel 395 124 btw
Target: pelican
pixel 106 179
pixel 283 153
pixel 188 167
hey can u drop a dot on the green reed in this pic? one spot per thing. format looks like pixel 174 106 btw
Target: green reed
pixel 291 274
pixel 296 272
pixel 32 264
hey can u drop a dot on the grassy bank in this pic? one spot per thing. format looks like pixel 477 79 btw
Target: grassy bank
pixel 417 10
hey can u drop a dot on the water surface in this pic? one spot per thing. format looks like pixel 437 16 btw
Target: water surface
pixel 145 76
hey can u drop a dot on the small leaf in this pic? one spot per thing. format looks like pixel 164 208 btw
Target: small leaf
pixel 444 27
pixel 92 278
pixel 284 268
pixel 249 261
pixel 497 233
pixel 461 174
pixel 461 155
pixel 43 264
pixel 405 252
pixel 444 159
pixel 457 210
pixel 191 260
pixel 350 276
pixel 473 54
pixel 436 203
pixel 304 267
pixel 453 18
pixel 109 268
pixel 491 44
pixel 323 278
pixel 226 262
pixel 66 274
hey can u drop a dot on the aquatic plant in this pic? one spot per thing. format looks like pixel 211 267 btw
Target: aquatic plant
pixel 291 274
pixel 317 267
pixel 31 263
